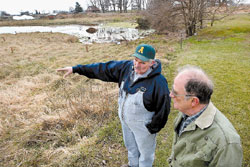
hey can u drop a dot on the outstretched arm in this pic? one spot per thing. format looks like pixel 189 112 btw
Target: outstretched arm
pixel 67 70
pixel 110 71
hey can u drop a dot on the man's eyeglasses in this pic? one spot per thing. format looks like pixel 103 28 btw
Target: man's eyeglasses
pixel 177 95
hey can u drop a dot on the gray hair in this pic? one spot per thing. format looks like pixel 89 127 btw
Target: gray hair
pixel 151 60
pixel 198 83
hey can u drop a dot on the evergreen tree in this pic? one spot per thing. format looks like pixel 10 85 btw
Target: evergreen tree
pixel 78 8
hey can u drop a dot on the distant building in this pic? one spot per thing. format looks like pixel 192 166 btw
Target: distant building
pixel 23 17
pixel 3 13
pixel 25 13
pixel 5 16
pixel 93 9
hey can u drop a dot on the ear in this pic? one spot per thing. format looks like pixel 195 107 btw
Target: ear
pixel 152 63
pixel 195 101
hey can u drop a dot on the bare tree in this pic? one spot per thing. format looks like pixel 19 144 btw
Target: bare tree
pixel 123 5
pixel 105 5
pixel 191 14
pixel 119 3
pixel 222 10
pixel 113 3
pixel 140 4
pixel 101 3
pixel 136 4
pixel 162 15
pixel 126 4
pixel 94 3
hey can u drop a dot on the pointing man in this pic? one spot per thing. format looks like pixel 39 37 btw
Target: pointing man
pixel 144 101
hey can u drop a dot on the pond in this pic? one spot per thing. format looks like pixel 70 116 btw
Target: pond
pixel 102 35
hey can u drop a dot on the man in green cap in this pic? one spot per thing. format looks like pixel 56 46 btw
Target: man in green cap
pixel 144 102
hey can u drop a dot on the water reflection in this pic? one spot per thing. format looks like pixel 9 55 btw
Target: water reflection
pixel 103 34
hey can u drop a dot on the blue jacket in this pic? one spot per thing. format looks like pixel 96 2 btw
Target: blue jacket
pixel 155 87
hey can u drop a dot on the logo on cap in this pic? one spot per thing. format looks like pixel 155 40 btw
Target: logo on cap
pixel 144 52
pixel 141 50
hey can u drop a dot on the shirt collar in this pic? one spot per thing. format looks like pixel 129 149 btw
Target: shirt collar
pixel 195 116
pixel 137 76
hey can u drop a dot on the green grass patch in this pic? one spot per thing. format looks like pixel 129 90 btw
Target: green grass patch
pixel 111 132
pixel 227 60
pixel 228 26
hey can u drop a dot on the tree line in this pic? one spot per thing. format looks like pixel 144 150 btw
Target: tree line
pixel 119 5
pixel 173 15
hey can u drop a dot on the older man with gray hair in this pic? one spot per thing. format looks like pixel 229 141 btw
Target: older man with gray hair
pixel 143 102
pixel 203 135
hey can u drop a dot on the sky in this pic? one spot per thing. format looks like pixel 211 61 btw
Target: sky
pixel 17 6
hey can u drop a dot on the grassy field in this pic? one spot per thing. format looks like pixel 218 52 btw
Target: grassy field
pixel 49 121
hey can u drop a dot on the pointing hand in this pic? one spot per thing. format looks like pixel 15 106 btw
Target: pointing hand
pixel 68 70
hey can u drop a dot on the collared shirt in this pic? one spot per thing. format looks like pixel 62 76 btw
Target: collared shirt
pixel 188 119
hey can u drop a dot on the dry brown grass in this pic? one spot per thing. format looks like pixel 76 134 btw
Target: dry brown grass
pixel 46 120
pixel 38 107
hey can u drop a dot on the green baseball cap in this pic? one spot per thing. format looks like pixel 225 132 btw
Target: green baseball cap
pixel 144 52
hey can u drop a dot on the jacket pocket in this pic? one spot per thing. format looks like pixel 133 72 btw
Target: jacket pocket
pixel 198 153
pixel 206 149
